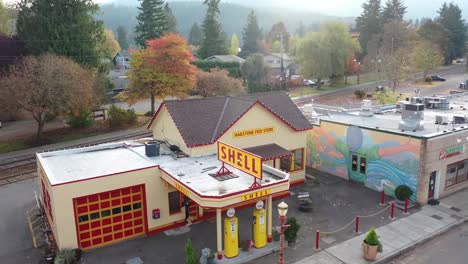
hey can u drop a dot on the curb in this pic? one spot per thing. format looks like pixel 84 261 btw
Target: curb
pixel 423 240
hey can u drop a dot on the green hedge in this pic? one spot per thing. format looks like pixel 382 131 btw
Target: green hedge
pixel 232 67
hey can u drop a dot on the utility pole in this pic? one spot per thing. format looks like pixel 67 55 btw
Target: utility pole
pixel 283 77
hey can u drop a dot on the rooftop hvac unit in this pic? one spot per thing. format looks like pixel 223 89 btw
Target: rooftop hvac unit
pixel 308 108
pixel 441 120
pixel 459 119
pixel 152 148
pixel 412 116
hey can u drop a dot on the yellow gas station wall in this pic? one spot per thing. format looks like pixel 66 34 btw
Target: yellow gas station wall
pixel 156 198
pixel 165 129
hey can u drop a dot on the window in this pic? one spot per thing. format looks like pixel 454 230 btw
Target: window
pixel 116 210
pixel 294 162
pixel 46 201
pixel 354 162
pixel 127 208
pixel 456 173
pixel 174 202
pixel 105 213
pixel 136 206
pixel 363 165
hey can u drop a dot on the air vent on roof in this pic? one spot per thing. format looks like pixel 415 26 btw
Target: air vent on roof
pixel 152 148
pixel 412 115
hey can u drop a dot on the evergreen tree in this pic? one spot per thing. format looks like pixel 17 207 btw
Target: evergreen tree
pixel 152 21
pixel 46 27
pixel 301 30
pixel 214 39
pixel 437 34
pixel 450 17
pixel 250 36
pixel 196 35
pixel 171 20
pixel 234 50
pixel 368 23
pixel 122 37
pixel 393 10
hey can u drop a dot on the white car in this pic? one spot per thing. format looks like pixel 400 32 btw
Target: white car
pixel 309 83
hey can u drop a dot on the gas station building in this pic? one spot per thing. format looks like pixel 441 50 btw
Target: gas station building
pixel 206 156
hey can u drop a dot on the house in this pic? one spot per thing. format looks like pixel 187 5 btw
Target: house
pixel 206 156
pixel 122 59
pixel 226 58
pixel 273 61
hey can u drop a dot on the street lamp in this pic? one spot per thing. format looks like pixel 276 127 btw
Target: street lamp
pixel 282 211
pixel 359 70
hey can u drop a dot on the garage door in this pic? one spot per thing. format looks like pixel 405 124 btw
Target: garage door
pixel 109 217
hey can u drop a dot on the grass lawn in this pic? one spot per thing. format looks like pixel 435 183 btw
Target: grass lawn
pixel 65 134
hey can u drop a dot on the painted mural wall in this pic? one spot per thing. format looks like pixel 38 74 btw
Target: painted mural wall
pixel 382 161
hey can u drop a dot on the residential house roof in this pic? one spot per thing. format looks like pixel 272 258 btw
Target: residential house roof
pixel 203 121
pixel 225 58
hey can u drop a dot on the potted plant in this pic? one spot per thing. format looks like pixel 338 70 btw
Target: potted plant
pixel 290 234
pixel 210 258
pixel 402 192
pixel 371 245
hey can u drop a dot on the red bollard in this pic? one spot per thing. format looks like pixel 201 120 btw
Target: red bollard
pixel 392 212
pixel 406 205
pixel 317 239
pixel 382 198
pixel 357 224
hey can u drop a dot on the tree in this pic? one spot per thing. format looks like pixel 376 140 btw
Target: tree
pixel 110 45
pixel 451 18
pixel 4 18
pixel 437 34
pixel 426 56
pixel 162 69
pixel 190 253
pixel 251 34
pixel 301 30
pixel 196 35
pixel 45 27
pixel 324 54
pixel 217 82
pixel 393 10
pixel 255 72
pixel 214 39
pixel 388 97
pixel 171 20
pixel 275 46
pixel 152 21
pixel 368 23
pixel 234 50
pixel 48 86
pixel 122 37
pixel 278 31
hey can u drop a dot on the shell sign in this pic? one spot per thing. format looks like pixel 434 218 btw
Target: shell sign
pixel 450 152
pixel 240 159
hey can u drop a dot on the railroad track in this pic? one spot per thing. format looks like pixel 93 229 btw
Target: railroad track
pixel 24 167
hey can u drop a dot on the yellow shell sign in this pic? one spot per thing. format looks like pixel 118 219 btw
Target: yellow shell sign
pixel 255 195
pixel 240 159
pixel 253 132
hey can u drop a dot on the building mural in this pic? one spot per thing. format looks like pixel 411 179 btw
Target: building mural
pixel 379 160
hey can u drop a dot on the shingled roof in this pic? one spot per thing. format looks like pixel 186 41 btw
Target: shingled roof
pixel 203 121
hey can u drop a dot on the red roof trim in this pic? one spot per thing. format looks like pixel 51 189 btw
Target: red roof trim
pixel 106 175
pixel 226 195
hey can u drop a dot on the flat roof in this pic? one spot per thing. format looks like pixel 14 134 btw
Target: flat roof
pixel 79 164
pixel 389 120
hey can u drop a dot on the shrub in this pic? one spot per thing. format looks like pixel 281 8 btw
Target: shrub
pixel 119 116
pixel 402 192
pixel 82 120
pixel 148 113
pixel 232 67
pixel 360 94
pixel 372 239
pixel 65 256
pixel 428 79
pixel 190 253
pixel 290 234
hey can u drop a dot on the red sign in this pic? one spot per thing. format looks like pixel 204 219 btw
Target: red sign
pixel 156 214
pixel 450 152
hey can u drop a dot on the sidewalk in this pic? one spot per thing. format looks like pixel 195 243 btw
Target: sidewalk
pixel 400 235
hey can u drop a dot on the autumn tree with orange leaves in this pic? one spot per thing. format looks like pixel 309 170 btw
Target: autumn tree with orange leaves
pixel 162 69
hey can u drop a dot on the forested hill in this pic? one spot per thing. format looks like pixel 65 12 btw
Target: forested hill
pixel 233 17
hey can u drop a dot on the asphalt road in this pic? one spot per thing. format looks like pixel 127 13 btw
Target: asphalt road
pixel 449 248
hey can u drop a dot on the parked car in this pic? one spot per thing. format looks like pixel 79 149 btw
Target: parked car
pixel 309 83
pixel 438 78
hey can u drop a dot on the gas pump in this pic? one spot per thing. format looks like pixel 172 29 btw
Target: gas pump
pixel 259 226
pixel 231 235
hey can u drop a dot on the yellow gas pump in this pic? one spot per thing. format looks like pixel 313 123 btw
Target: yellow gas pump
pixel 259 228
pixel 231 237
